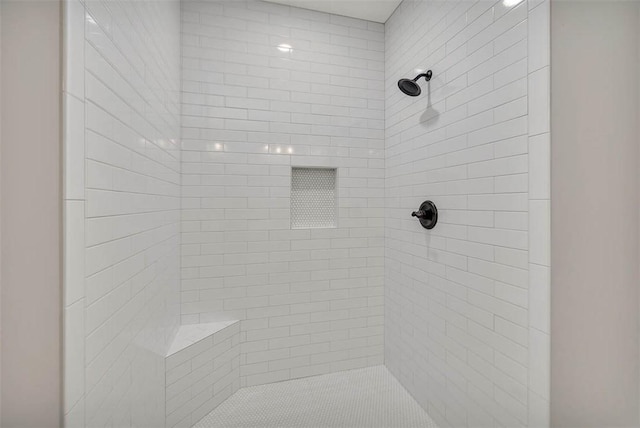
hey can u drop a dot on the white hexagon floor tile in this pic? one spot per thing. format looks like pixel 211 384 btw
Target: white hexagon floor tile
pixel 362 398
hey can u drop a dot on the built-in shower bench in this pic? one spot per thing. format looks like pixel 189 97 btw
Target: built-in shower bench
pixel 202 369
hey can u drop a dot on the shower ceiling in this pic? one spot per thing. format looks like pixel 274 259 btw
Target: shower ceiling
pixel 371 10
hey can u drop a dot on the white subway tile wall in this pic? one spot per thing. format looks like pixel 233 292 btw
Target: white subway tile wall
pixel 466 304
pixel 122 208
pixel 266 88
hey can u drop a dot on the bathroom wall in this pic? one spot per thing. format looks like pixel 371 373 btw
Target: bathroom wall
pixel 595 358
pixel 0 212
pixel 467 303
pixel 267 87
pixel 30 210
pixel 121 212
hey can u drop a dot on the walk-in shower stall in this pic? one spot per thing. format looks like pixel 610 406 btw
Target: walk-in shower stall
pixel 239 184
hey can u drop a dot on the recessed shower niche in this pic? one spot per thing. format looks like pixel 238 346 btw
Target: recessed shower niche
pixel 313 198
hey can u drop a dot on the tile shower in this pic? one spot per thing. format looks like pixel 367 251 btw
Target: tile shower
pixel 243 173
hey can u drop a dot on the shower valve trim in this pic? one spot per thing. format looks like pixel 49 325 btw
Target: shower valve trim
pixel 427 214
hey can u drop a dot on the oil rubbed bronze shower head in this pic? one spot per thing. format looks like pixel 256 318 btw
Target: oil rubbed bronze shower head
pixel 411 87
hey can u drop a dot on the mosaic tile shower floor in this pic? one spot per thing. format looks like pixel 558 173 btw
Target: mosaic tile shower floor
pixel 363 398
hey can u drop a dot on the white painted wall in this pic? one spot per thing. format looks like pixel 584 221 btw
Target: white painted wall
pixel 30 214
pixel 122 202
pixel 310 301
pixel 1 203
pixel 595 358
pixel 467 303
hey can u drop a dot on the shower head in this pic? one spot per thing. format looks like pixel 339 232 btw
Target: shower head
pixel 411 87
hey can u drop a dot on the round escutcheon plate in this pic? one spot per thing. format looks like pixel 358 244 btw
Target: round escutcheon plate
pixel 427 214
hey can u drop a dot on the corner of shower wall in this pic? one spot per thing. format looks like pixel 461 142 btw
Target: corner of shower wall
pixel 539 286
pixel 73 213
pixel 467 304
pixel 121 184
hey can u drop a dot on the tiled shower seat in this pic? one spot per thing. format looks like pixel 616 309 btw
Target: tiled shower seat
pixel 202 370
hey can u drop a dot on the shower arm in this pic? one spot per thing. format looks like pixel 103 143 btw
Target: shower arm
pixel 427 76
